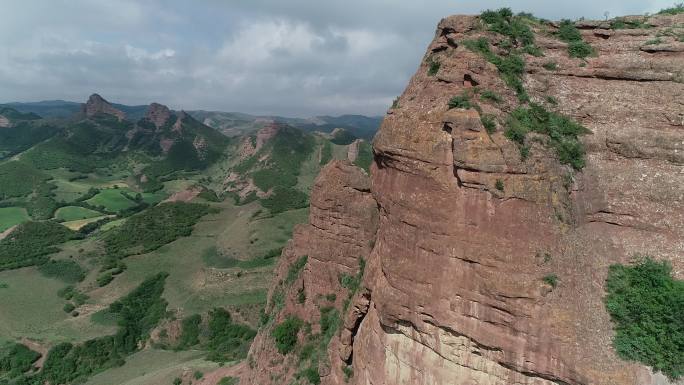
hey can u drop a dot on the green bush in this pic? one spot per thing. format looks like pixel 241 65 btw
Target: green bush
pixel 68 307
pixel 285 334
pixel 580 49
pixel 295 269
pixel 567 31
pixel 550 66
pixel 511 67
pixel 190 331
pixel 561 130
pixel 65 270
pixel 311 375
pixel 228 341
pixel 17 360
pixel 551 279
pixel 577 47
pixel 326 153
pixel 646 305
pixel 499 185
pixel 433 67
pixel 674 10
pixel 104 279
pixel 461 101
pixel 488 122
pixel 491 96
pixel 503 21
pixel 364 159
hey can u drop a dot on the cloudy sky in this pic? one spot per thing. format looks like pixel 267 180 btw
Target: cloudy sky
pixel 286 57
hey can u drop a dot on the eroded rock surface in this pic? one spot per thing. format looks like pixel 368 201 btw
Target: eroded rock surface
pixel 158 114
pixel 466 229
pixel 97 105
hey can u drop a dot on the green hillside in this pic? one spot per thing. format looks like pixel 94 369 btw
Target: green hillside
pixel 102 203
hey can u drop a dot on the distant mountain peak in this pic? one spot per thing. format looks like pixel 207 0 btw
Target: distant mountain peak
pixel 158 114
pixel 96 104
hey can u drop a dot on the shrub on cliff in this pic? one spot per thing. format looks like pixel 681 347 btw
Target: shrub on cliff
pixel 647 306
pixel 577 47
pixel 561 130
pixel 285 334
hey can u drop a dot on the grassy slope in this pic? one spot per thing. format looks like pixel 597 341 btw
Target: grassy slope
pixel 10 216
pixel 112 199
pixel 72 213
pixel 153 367
pixel 39 315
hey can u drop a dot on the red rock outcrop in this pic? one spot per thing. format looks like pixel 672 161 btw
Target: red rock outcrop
pixel 466 229
pixel 97 105
pixel 158 114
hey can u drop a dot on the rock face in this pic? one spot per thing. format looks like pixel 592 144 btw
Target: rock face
pixel 97 105
pixel 458 231
pixel 158 114
pixel 4 122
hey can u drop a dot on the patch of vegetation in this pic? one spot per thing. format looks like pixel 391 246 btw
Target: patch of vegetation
pixel 461 101
pixel 562 132
pixel 30 243
pixel 577 47
pixel 499 185
pixel 551 279
pixel 138 312
pixel 433 66
pixel 488 122
pixel 285 334
pixel 551 100
pixel 343 137
pixel 213 258
pixel 64 270
pixel 364 159
pixel 646 305
pixel 326 153
pixel 228 340
pixel 550 66
pixel 657 40
pixel 511 67
pixel 621 23
pixel 676 9
pixel 17 179
pixel 502 21
pixel 285 198
pixel 295 269
pixel 491 96
pixel 154 227
pixel 17 360
pixel 284 154
pixel 190 331
pixel 229 381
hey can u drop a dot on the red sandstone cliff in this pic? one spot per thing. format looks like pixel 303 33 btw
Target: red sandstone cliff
pixel 456 230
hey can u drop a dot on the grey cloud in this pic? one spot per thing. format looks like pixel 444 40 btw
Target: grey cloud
pixel 292 57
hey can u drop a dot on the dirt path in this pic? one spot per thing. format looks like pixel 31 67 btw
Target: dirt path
pixel 36 347
pixel 7 232
pixel 212 378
